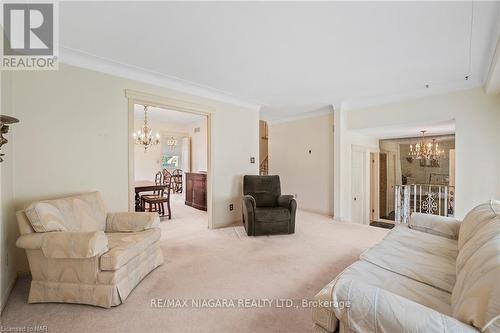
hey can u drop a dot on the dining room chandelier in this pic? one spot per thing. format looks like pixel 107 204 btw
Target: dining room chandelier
pixel 425 150
pixel 144 137
pixel 172 143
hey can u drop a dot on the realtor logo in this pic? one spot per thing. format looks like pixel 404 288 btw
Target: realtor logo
pixel 29 36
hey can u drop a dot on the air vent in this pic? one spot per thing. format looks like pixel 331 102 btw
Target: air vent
pixel 196 129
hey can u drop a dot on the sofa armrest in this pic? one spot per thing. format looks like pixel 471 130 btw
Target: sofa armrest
pixel 434 224
pixel 131 221
pixel 67 245
pixel 372 309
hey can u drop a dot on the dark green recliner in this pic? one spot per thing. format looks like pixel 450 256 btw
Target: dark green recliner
pixel 265 210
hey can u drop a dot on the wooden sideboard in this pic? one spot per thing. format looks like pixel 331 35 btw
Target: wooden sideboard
pixel 196 190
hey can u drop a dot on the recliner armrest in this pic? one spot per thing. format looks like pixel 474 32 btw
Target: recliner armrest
pixel 248 210
pixel 131 221
pixel 249 202
pixel 286 201
pixel 443 226
pixel 65 244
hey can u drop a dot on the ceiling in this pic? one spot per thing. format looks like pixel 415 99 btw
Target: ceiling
pixel 411 130
pixel 291 58
pixel 165 116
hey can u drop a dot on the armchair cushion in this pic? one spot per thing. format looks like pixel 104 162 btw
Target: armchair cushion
pixel 437 225
pixel 272 214
pixel 45 217
pixel 67 245
pixel 131 222
pixel 79 212
pixel 125 246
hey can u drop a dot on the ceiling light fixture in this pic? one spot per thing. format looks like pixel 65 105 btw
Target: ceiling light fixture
pixel 425 150
pixel 144 137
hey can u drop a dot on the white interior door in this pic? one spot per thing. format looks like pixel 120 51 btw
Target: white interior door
pixel 391 180
pixel 358 187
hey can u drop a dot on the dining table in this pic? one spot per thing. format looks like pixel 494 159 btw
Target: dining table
pixel 145 186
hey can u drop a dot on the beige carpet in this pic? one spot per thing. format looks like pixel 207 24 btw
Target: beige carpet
pixel 216 264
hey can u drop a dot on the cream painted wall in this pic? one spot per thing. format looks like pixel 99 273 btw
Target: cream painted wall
pixel 74 137
pixel 199 146
pixel 9 253
pixel 309 176
pixel 477 116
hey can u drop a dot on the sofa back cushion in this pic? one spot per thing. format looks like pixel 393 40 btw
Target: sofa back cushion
pixel 475 299
pixel 81 212
pixel 476 219
pixel 265 189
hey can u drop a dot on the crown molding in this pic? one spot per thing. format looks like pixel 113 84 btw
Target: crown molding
pixel 86 60
pixel 433 90
pixel 318 113
pixel 492 85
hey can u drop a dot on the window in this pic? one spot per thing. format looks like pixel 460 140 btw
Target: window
pixel 170 161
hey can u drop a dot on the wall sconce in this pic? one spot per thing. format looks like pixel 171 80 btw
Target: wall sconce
pixel 5 121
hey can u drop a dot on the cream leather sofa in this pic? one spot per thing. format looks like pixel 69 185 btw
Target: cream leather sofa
pixel 437 275
pixel 79 253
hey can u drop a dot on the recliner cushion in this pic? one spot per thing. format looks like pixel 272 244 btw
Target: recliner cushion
pixel 264 189
pixel 272 214
pixel 124 246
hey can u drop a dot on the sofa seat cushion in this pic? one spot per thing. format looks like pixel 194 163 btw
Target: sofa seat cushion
pixel 274 214
pixel 423 257
pixel 124 246
pixel 369 274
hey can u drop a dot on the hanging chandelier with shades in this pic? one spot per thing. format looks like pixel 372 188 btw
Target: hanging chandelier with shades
pixel 171 143
pixel 144 137
pixel 423 150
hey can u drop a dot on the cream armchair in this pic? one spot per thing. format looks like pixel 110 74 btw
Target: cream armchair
pixel 79 253
pixel 437 275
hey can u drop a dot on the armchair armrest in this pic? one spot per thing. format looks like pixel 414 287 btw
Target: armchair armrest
pixel 372 309
pixel 447 227
pixel 249 203
pixel 286 201
pixel 131 221
pixel 68 245
pixel 249 207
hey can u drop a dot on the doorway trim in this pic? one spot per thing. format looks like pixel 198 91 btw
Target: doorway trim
pixel 138 97
pixel 367 184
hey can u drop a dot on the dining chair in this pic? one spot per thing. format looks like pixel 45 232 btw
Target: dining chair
pixel 167 178
pixel 156 202
pixel 177 180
